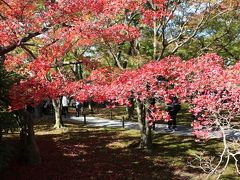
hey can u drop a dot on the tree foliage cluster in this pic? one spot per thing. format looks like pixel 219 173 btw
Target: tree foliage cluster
pixel 83 48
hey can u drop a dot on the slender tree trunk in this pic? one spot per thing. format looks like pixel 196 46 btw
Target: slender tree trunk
pixel 133 49
pixel 28 143
pixel 141 122
pixel 148 142
pixel 148 126
pixel 80 72
pixel 2 58
pixel 154 38
pixel 58 118
pixel 0 135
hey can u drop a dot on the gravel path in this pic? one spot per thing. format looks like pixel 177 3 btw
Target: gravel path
pixel 160 128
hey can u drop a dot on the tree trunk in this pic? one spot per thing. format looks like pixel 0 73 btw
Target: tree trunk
pixel 130 109
pixel 133 49
pixel 2 58
pixel 150 103
pixel 0 135
pixel 28 143
pixel 148 126
pixel 90 106
pixel 38 112
pixel 141 122
pixel 58 118
pixel 154 38
pixel 145 128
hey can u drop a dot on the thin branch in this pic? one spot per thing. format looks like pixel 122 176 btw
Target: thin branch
pixel 29 51
pixel 199 26
pixel 224 150
pixel 6 4
pixel 54 41
pixel 7 49
pixel 114 56
pixel 28 44
pixel 132 17
pixel 211 43
pixel 168 18
pixel 225 166
pixel 236 161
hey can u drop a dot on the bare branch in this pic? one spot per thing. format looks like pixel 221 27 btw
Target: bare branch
pixel 114 56
pixel 198 27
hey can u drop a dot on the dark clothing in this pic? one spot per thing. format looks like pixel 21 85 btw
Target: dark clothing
pixel 65 111
pixel 173 108
pixel 45 107
pixel 78 109
pixel 173 122
pixel 30 109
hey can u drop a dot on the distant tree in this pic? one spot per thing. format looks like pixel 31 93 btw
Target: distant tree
pixel 219 35
pixel 185 23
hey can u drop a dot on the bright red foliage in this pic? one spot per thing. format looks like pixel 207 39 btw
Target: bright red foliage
pixel 211 89
pixel 60 27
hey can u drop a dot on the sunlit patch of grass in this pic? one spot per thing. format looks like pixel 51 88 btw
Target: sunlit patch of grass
pixel 70 154
pixel 192 152
pixel 135 162
pixel 230 173
pixel 178 150
pixel 108 129
pixel 129 134
pixel 51 131
pixel 119 144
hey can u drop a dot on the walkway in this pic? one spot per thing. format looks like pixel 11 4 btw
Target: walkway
pixel 160 128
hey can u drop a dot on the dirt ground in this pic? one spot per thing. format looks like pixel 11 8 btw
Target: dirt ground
pixel 78 152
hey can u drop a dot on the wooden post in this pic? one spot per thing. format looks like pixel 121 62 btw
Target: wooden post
pixel 153 126
pixel 123 122
pixel 84 119
pixel 111 114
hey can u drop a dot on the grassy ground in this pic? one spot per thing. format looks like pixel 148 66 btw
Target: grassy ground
pixel 78 152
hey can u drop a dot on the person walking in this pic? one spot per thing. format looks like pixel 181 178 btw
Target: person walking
pixel 173 108
pixel 64 106
pixel 77 105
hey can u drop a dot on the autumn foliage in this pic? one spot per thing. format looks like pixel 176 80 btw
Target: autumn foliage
pixel 211 89
pixel 60 27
